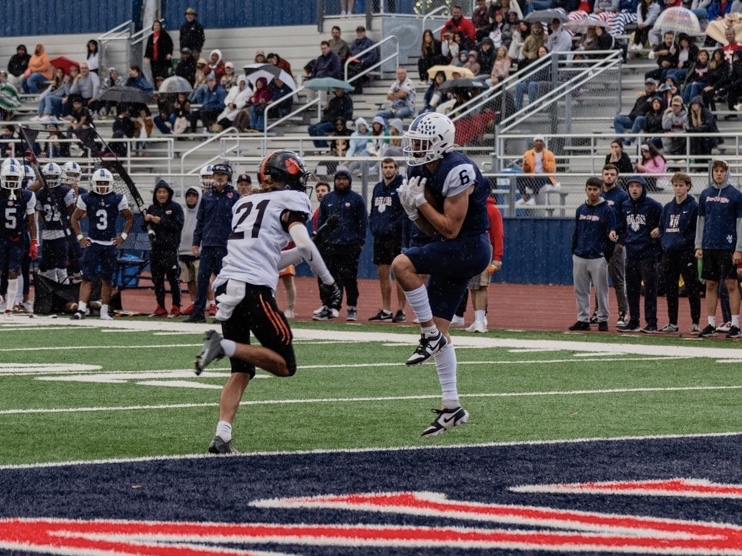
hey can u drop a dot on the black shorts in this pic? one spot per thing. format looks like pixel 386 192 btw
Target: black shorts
pixel 718 265
pixel 258 313
pixel 385 249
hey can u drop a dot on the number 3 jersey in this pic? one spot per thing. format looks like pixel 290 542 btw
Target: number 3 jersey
pixel 13 213
pixel 258 235
pixel 102 211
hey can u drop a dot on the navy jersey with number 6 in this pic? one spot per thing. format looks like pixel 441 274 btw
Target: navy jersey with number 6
pixel 102 211
pixel 454 174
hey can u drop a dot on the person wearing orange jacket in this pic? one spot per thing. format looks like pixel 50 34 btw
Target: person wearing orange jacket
pixel 537 160
pixel 39 71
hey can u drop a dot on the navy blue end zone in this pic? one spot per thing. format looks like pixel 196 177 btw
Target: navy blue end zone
pixel 220 489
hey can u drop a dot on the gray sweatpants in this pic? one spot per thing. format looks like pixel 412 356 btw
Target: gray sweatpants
pixel 585 272
pixel 617 274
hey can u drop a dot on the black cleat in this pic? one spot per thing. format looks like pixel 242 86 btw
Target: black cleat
pixel 428 346
pixel 211 350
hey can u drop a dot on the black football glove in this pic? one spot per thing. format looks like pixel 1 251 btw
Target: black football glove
pixel 326 229
pixel 330 295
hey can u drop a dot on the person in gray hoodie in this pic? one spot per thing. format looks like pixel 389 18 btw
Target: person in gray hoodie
pixel 188 261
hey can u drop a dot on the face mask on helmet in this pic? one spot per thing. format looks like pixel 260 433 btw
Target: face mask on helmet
pixel 283 170
pixel 102 182
pixel 207 177
pixel 52 174
pixel 72 172
pixel 429 138
pixel 10 178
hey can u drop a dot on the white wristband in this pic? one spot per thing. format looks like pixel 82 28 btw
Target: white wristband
pixel 124 235
pixel 79 237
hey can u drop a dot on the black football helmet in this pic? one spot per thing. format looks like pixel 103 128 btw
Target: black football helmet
pixel 222 168
pixel 283 168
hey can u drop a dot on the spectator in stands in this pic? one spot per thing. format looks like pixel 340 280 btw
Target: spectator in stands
pixel 123 128
pixel 192 34
pixel 731 85
pixel 279 90
pixel 50 101
pixel 340 105
pixel 92 56
pixel 653 123
pixel 114 79
pixel 668 90
pixel 619 158
pixel 357 144
pixel 18 64
pixel 433 95
pixel 340 144
pixel 260 57
pixel 164 111
pixel 640 228
pixel 501 34
pixel 180 117
pixel 472 63
pixel 361 62
pixel 666 54
pixel 646 14
pixel 337 44
pixel 165 218
pixel 229 79
pixel 328 63
pixel 459 23
pixel 535 85
pixel 686 57
pixel 635 119
pixel 187 66
pixel 651 162
pixel 385 224
pixel 675 120
pixel 717 9
pixel 53 147
pixel 486 56
pixel 143 127
pixel 342 248
pixel 718 71
pixel 559 40
pixel 530 49
pixel 606 41
pixel 730 44
pixel 159 51
pixel 430 55
pixel 38 71
pixel 258 103
pixel 450 47
pixel 677 237
pixel 501 67
pixel 520 34
pixel 537 160
pixel 379 138
pixel 401 97
pixel 396 131
pixel 216 64
pixel 86 85
pixel 480 18
pixel 211 100
pixel 137 80
pixel 695 80
pixel 202 71
pixel 279 62
pixel 702 120
pixel 346 7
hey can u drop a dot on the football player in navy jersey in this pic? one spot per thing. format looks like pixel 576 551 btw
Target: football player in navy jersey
pixel 445 194
pixel 102 207
pixel 262 224
pixel 55 204
pixel 17 220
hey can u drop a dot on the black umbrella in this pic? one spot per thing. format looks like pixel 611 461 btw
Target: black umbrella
pixel 462 83
pixel 128 95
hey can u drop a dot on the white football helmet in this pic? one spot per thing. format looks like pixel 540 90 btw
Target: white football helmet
pixel 207 177
pixel 71 172
pixel 9 161
pixel 29 176
pixel 430 137
pixel 102 181
pixel 52 173
pixel 11 176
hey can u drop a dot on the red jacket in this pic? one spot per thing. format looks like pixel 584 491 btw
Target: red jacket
pixel 497 236
pixel 463 26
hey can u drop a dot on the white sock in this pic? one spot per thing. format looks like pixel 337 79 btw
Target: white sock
pixel 11 294
pixel 224 430
pixel 735 320
pixel 479 315
pixel 229 347
pixel 104 309
pixel 61 275
pixel 82 306
pixel 418 300
pixel 445 366
pixel 712 321
pixel 19 292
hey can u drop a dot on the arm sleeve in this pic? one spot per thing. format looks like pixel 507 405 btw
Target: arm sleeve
pixel 699 231
pixel 309 253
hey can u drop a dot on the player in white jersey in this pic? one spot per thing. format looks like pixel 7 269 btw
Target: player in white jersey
pixel 262 224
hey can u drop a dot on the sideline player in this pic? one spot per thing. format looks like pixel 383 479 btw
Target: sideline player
pixel 102 206
pixel 262 224
pixel 459 250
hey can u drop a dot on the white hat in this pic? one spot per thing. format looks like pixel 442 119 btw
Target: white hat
pixel 539 137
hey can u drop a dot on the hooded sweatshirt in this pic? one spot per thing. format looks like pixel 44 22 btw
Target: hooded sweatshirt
pixel 351 211
pixel 358 139
pixel 719 224
pixel 189 225
pixel 167 232
pixel 387 214
pixel 593 223
pixel 40 63
pixel 639 218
